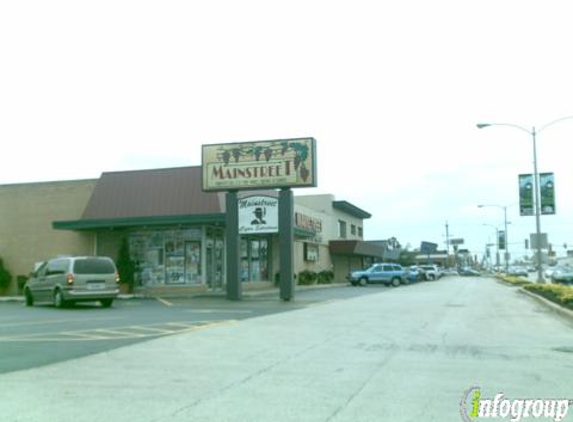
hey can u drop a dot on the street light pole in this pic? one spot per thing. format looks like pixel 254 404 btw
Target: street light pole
pixel 537 209
pixel 505 235
pixel 533 132
pixel 496 246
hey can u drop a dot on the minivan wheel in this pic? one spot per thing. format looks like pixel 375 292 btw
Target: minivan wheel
pixel 106 303
pixel 29 298
pixel 396 282
pixel 363 281
pixel 59 301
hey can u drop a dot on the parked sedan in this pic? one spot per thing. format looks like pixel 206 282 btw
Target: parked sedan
pixel 562 275
pixel 518 271
pixel 414 274
pixel 393 274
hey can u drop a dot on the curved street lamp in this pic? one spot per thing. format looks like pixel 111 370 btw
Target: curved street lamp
pixel 533 132
pixel 496 245
pixel 505 235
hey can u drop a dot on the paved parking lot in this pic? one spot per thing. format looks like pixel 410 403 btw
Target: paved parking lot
pixel 40 335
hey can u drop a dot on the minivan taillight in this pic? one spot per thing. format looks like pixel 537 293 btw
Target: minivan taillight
pixel 117 279
pixel 70 279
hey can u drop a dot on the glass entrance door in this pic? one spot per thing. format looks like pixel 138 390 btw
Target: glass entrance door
pixel 214 259
pixel 255 259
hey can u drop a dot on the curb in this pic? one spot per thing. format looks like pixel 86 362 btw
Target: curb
pixel 246 294
pixel 554 306
pixel 11 298
pixel 21 298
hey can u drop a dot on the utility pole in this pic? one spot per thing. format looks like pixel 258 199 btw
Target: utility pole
pixel 447 244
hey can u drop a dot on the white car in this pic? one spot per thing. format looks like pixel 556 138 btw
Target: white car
pixel 431 271
pixel 548 272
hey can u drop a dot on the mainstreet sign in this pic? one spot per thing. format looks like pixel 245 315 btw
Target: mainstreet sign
pixel 259 165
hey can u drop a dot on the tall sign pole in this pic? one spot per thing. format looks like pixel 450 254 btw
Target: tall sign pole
pixel 286 243
pixel 234 288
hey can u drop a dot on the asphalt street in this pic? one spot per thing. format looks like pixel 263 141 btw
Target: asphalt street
pixel 404 354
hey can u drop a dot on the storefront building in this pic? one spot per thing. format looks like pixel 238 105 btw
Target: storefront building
pixel 175 230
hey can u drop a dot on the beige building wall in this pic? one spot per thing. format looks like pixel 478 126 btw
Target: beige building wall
pixel 26 215
pixel 323 204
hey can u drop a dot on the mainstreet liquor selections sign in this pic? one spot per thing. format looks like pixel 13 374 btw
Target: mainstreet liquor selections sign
pixel 258 214
pixel 260 165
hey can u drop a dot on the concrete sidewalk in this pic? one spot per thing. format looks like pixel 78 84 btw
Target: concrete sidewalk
pixel 396 355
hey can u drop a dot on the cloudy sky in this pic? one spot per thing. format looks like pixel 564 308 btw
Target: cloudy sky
pixel 391 90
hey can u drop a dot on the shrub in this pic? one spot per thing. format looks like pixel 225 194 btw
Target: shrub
pixel 125 265
pixel 516 281
pixel 306 277
pixel 560 294
pixel 5 276
pixel 21 280
pixel 325 277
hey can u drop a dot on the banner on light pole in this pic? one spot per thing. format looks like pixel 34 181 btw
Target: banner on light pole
pixel 501 239
pixel 547 188
pixel 526 194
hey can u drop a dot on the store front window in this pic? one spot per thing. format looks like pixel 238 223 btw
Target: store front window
pixel 170 257
pixel 255 259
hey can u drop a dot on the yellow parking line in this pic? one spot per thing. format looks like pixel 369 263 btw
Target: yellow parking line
pixel 166 303
pixel 117 333
pixel 57 321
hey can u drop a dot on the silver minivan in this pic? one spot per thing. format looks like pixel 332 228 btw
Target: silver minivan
pixel 67 280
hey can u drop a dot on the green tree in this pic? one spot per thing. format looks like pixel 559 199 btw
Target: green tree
pixel 125 265
pixel 5 276
pixel 407 257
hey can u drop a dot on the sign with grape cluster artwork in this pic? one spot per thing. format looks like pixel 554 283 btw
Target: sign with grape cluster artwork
pixel 259 165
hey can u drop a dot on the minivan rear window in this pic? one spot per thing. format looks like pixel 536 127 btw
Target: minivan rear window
pixel 93 266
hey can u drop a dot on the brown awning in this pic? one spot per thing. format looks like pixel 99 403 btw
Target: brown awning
pixel 355 247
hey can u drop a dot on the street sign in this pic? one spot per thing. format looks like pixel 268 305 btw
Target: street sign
pixel 428 247
pixel 543 244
